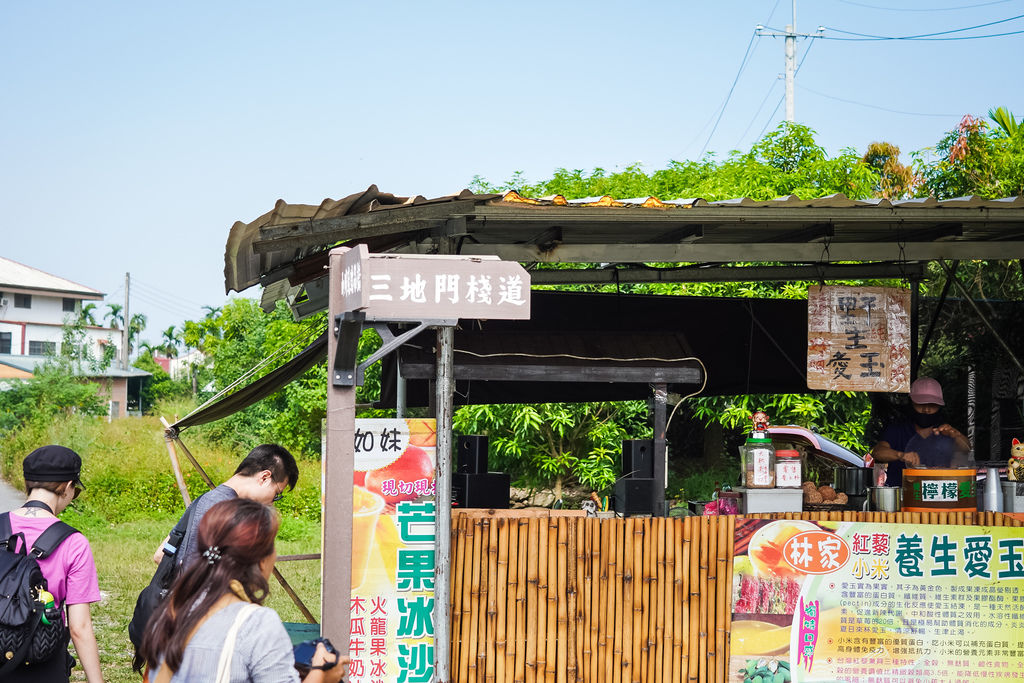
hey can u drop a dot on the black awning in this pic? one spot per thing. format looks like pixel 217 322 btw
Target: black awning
pixel 261 388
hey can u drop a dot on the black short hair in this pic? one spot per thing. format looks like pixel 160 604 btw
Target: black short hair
pixel 274 458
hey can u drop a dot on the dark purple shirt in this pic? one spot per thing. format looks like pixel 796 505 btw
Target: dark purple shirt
pixel 935 451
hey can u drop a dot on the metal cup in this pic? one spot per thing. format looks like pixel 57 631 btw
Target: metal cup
pixel 884 498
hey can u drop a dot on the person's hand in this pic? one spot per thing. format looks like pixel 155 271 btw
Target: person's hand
pixel 336 672
pixel 911 458
pixel 947 430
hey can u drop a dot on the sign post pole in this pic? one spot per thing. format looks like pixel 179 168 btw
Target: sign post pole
pixel 339 458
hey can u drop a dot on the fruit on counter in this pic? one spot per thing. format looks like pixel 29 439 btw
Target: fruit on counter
pixel 816 495
pixel 413 465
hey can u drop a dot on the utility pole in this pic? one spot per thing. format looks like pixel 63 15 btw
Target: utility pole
pixel 790 35
pixel 125 333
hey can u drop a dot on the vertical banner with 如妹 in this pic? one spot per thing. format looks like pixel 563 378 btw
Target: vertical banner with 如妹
pixel 393 519
pixel 858 338
pixel 820 602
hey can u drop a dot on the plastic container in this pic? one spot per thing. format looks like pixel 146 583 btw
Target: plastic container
pixel 789 469
pixel 757 460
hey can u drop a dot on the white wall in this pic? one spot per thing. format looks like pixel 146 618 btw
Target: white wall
pixel 44 322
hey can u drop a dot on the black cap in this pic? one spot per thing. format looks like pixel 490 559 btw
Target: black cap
pixel 53 463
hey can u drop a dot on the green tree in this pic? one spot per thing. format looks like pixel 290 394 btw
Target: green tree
pixel 972 159
pixel 895 180
pixel 171 340
pixel 88 314
pixel 557 443
pixel 135 329
pixel 114 316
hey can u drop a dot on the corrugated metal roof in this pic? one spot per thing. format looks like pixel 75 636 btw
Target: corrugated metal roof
pixel 16 275
pixel 27 363
pixel 287 243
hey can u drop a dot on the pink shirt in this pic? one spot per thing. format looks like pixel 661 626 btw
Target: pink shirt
pixel 70 571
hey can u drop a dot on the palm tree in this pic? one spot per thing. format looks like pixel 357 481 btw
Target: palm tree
pixel 211 312
pixel 171 339
pixel 1005 120
pixel 146 347
pixel 135 328
pixel 114 315
pixel 87 316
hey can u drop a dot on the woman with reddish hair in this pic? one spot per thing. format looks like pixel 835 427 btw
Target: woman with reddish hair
pixel 212 625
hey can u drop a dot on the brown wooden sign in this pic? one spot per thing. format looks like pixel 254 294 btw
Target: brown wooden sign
pixel 420 287
pixel 858 338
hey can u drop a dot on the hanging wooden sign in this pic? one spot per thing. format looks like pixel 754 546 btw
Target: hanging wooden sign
pixel 858 338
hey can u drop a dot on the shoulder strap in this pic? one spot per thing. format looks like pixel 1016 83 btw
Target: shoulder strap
pixel 227 652
pixel 51 538
pixel 5 529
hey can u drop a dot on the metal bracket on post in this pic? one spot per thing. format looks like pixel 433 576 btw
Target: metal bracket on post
pixel 348 327
pixel 392 342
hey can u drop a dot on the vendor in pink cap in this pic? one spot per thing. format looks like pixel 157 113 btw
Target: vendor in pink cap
pixel 923 437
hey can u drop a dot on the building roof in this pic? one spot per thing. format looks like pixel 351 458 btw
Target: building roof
pixel 14 366
pixel 286 248
pixel 14 275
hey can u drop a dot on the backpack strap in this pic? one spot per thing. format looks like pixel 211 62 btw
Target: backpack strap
pixel 9 539
pixel 51 538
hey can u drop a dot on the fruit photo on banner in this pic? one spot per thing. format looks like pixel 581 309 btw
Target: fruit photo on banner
pixel 393 521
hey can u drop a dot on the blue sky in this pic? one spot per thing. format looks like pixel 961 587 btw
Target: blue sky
pixel 135 134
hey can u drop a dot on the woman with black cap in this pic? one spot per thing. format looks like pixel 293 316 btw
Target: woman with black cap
pixel 923 437
pixel 52 480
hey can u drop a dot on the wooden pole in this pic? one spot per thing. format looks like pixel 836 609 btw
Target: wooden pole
pixel 338 461
pixel 175 465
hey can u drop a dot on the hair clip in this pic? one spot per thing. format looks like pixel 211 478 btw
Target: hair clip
pixel 212 554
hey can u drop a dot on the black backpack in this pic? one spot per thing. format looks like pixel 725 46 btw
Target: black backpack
pixel 153 594
pixel 24 638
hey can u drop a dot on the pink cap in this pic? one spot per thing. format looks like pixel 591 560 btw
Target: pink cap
pixel 926 390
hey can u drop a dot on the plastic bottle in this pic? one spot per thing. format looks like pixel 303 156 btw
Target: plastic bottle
pixel 50 611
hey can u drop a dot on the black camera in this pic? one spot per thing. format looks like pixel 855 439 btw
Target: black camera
pixel 305 651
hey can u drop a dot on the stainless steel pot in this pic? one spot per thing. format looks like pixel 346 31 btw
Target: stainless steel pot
pixel 884 499
pixel 853 481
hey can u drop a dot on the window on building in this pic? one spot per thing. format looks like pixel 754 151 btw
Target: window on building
pixel 42 348
pixel 5 342
pixel 23 301
pixel 69 305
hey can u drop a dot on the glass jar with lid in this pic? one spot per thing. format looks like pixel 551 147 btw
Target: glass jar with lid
pixel 757 460
pixel 788 469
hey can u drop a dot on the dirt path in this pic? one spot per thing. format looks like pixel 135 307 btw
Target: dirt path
pixel 10 497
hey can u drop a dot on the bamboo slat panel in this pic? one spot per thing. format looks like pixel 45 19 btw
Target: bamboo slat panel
pixel 561 598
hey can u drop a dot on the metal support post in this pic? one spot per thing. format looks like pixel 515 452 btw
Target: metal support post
pixel 443 503
pixel 660 448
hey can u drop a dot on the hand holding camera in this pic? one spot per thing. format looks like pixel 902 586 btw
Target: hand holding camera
pixel 320 656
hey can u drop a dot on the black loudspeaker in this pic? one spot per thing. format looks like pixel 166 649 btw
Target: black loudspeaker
pixel 638 459
pixel 472 458
pixel 486 490
pixel 634 496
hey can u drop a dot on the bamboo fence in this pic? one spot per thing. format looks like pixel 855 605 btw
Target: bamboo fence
pixel 554 597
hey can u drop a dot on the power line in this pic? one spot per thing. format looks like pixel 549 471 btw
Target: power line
pixel 757 113
pixel 924 9
pixel 871 106
pixel 987 35
pixel 923 36
pixel 721 113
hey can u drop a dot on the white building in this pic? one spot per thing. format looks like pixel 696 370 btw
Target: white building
pixel 34 307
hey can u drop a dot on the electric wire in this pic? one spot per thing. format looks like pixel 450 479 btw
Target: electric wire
pixel 757 113
pixel 871 106
pixel 923 36
pixel 987 35
pixel 743 64
pixel 924 9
